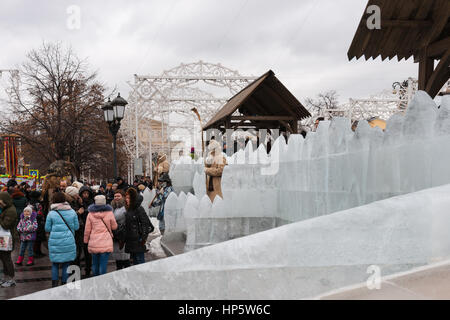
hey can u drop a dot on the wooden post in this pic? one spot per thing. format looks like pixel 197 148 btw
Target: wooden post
pixel 426 67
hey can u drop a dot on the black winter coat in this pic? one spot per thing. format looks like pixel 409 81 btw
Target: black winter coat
pixel 138 225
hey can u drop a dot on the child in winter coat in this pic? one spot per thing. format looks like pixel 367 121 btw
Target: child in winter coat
pixel 27 227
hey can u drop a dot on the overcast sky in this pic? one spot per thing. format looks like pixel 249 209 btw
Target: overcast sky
pixel 304 42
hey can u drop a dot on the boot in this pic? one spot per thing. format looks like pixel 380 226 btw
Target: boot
pixel 63 283
pixel 54 283
pixel 30 261
pixel 19 260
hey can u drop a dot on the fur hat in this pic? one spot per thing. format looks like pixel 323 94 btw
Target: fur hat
pixel 72 191
pixel 100 200
pixel 28 208
pixel 214 145
pixel 77 185
pixel 162 157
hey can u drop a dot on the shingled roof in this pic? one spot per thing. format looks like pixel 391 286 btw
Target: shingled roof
pixel 265 102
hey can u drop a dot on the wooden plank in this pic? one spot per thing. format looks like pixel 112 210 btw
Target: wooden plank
pixel 440 75
pixel 440 15
pixel 426 66
pixel 437 49
pixel 380 41
pixel 402 13
pixel 409 43
pixel 372 36
pixel 406 23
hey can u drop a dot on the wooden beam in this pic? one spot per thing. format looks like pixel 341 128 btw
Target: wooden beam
pixel 438 48
pixel 440 16
pixel 263 118
pixel 439 76
pixel 426 67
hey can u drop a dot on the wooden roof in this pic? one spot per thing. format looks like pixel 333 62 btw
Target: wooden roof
pixel 418 28
pixel 265 102
pixel 407 26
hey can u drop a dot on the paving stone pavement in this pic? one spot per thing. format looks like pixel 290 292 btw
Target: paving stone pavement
pixel 38 277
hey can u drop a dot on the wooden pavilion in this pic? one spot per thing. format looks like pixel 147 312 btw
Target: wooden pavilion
pixel 418 28
pixel 264 104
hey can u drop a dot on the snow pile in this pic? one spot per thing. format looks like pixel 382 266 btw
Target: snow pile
pixel 298 260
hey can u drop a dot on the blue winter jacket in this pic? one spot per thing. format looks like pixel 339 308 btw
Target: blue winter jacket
pixel 61 244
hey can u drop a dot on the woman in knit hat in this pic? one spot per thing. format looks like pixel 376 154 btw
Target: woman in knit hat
pixel 100 223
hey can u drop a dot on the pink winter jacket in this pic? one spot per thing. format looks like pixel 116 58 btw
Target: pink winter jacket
pixel 98 231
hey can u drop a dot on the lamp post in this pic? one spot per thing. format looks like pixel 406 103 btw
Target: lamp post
pixel 114 112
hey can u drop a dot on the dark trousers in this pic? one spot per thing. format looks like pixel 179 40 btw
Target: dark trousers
pixel 121 264
pixel 8 267
pixel 83 248
pixel 137 258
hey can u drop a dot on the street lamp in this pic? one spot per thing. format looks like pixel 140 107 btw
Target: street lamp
pixel 114 112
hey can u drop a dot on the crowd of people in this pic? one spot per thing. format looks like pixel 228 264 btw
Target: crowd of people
pixel 83 224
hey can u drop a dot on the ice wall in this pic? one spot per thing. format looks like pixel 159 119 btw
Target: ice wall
pixel 298 260
pixel 335 168
pixel 332 169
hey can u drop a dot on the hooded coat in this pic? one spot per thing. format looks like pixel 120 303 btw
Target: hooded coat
pixel 20 201
pixel 99 225
pixel 86 203
pixel 27 227
pixel 61 244
pixel 8 215
pixel 138 224
pixel 213 169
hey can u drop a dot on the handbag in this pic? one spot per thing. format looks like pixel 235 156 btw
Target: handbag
pixel 6 241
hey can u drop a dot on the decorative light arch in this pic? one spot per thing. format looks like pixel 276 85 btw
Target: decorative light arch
pixel 175 92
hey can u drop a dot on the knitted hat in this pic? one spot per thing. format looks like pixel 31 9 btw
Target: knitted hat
pixel 100 200
pixel 77 185
pixel 28 208
pixel 72 191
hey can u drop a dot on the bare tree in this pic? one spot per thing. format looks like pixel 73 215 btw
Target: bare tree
pixel 324 101
pixel 56 111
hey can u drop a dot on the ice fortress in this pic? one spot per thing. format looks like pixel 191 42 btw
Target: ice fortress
pixel 331 205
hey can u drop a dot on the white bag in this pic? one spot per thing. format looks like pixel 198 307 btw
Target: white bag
pixel 5 240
